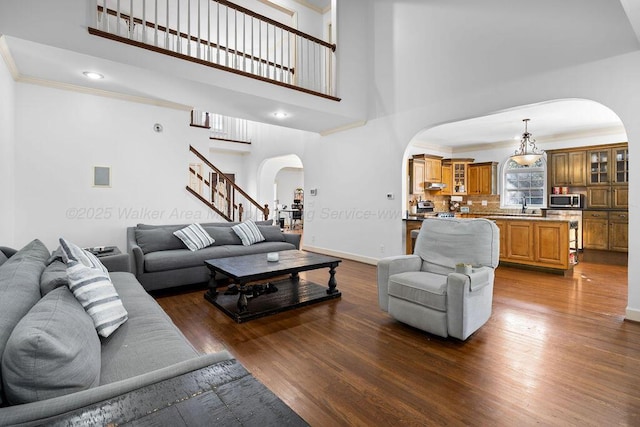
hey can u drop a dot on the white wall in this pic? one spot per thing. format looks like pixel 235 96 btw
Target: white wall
pixel 288 179
pixel 360 177
pixel 61 135
pixel 7 154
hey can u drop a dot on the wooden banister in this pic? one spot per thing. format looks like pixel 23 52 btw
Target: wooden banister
pixel 263 209
pixel 201 41
pixel 276 23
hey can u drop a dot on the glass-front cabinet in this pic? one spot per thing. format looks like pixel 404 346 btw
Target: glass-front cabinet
pixel 608 172
pixel 621 159
pixel 609 166
pixel 599 167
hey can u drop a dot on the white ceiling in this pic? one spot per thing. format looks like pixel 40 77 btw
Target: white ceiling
pixel 549 120
pixel 52 64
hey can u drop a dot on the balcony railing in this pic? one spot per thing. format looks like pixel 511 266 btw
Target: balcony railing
pixel 223 35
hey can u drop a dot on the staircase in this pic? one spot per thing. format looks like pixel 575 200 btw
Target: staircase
pixel 220 193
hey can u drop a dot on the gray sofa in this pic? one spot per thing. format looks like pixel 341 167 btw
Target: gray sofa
pixel 73 367
pixel 161 260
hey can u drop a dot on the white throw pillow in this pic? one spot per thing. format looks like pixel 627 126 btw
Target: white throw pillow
pixel 194 237
pixel 248 232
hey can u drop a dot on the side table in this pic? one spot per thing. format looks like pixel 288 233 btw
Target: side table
pixel 112 258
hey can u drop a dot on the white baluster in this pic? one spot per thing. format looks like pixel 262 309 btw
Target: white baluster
pixel 209 30
pixel 131 25
pixel 178 37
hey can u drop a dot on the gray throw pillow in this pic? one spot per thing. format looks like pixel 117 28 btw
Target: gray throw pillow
pixel 3 258
pixel 222 235
pixel 271 233
pixel 53 276
pixel 19 288
pixel 158 239
pixel 54 350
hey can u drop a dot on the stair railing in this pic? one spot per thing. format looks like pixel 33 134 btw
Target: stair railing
pixel 224 35
pixel 221 193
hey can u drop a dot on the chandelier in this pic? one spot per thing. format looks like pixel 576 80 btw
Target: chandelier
pixel 524 155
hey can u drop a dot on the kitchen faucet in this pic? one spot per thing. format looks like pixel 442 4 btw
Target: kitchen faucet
pixel 524 205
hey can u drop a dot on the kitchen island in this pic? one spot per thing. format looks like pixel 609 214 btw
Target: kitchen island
pixel 526 241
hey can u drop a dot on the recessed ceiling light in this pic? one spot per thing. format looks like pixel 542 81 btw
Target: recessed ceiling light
pixel 93 75
pixel 280 115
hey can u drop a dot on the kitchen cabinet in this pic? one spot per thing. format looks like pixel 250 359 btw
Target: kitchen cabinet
pixel 482 178
pixel 609 165
pixel 458 175
pixel 433 168
pixel 619 231
pixel 416 176
pixel 609 197
pixel 568 169
pixel 410 225
pixel 608 182
pixel 606 230
pixel 447 178
pixel 535 243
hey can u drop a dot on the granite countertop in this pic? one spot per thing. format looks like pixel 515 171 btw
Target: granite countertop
pixel 494 216
pixel 527 218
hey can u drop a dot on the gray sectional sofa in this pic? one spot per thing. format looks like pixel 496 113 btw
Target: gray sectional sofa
pixel 53 361
pixel 161 260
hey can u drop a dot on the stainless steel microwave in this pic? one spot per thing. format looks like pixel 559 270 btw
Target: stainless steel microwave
pixel 566 201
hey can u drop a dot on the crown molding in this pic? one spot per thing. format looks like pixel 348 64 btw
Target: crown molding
pixel 19 78
pixel 348 126
pixel 313 6
pixel 103 93
pixel 278 7
pixel 543 140
pixel 8 59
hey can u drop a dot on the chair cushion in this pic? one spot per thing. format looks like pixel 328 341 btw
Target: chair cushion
pixel 420 287
pixel 444 242
pixel 53 351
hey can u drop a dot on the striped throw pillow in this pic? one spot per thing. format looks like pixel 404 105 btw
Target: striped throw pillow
pixel 248 232
pixel 194 237
pixel 72 252
pixel 93 289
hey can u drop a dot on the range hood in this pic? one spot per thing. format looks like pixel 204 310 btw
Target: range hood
pixel 434 185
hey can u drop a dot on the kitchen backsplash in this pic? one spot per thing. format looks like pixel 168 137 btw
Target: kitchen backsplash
pixel 441 203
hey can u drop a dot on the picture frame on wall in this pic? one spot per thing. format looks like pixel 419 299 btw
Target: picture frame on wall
pixel 101 176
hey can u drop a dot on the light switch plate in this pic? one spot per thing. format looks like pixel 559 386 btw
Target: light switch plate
pixel 484 203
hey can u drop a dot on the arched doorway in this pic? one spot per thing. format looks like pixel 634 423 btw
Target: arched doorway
pixel 568 126
pixel 278 179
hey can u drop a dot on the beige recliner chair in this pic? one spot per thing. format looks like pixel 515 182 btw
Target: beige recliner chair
pixel 423 290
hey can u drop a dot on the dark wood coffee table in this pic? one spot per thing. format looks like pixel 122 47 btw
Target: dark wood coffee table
pixel 247 271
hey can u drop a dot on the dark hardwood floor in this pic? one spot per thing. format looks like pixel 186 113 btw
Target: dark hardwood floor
pixel 556 351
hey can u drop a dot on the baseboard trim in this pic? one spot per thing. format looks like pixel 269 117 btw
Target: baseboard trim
pixel 632 314
pixel 339 254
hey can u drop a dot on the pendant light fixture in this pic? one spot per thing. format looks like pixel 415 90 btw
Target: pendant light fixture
pixel 524 155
